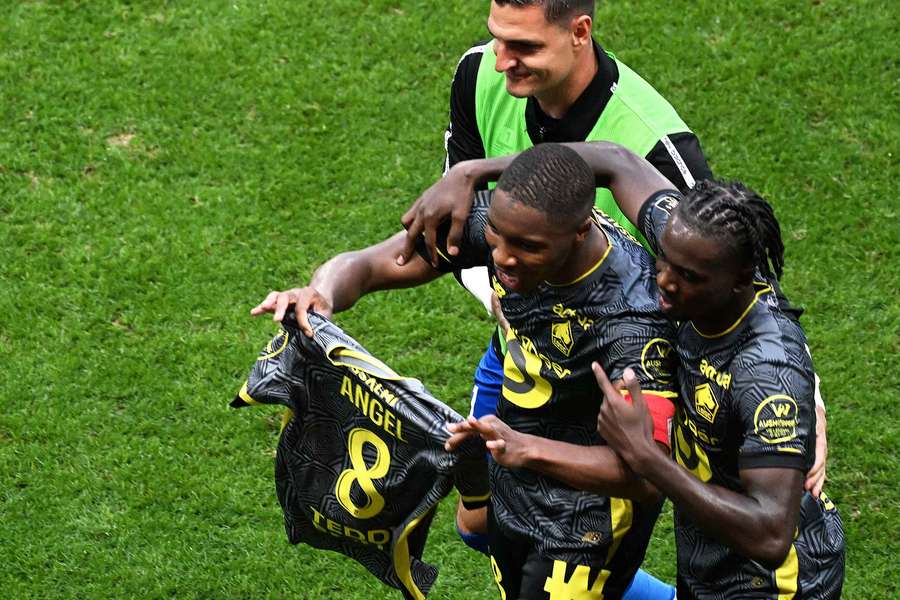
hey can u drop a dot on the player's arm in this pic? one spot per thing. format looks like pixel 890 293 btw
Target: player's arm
pixel 631 178
pixel 758 523
pixel 452 194
pixel 339 283
pixel 595 469
pixel 680 159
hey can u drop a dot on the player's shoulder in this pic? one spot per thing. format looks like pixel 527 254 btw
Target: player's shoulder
pixel 470 60
pixel 775 344
pixel 630 261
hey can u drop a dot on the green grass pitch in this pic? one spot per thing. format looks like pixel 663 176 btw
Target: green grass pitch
pixel 166 163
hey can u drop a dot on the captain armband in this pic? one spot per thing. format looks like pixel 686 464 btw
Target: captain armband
pixel 662 411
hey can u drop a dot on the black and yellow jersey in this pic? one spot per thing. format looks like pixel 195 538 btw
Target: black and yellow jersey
pixel 361 466
pixel 747 401
pixel 608 315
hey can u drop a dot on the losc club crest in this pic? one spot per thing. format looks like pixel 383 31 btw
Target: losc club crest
pixel 705 402
pixel 561 335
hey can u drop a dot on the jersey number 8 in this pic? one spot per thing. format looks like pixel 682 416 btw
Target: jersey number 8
pixel 363 474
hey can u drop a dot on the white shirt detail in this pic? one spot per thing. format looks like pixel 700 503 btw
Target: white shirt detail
pixel 477 281
pixel 679 162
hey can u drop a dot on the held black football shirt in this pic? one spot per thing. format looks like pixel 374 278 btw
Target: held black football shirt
pixel 361 466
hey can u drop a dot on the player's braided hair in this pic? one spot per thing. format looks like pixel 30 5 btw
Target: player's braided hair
pixel 556 11
pixel 553 179
pixel 739 217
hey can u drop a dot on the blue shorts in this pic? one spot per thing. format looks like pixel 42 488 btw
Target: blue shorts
pixel 488 382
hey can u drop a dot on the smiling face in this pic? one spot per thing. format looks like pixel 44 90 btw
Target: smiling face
pixel 698 279
pixel 525 247
pixel 536 56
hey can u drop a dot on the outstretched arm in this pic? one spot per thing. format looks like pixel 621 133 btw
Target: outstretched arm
pixel 595 469
pixel 759 523
pixel 340 282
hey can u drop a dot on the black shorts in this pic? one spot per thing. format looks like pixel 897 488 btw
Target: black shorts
pixel 522 574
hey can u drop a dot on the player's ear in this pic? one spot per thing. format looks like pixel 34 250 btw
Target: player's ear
pixel 744 279
pixel 581 30
pixel 584 229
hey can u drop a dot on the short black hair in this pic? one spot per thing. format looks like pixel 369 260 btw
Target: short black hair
pixel 556 11
pixel 740 218
pixel 554 180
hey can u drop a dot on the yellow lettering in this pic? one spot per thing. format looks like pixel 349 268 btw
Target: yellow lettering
pixel 576 587
pixel 781 410
pixel 355 534
pixel 376 412
pixel 346 388
pixel 710 372
pixel 379 537
pixel 362 400
pixel 317 516
pixel 363 475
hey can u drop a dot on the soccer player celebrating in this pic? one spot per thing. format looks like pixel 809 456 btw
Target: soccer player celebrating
pixel 542 77
pixel 745 425
pixel 568 518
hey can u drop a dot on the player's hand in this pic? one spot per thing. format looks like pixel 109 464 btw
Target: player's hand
pixel 815 479
pixel 451 196
pixel 506 445
pixel 626 426
pixel 304 300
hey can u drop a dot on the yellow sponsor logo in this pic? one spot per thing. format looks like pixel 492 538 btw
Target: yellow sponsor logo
pixel 775 420
pixel 722 378
pixel 561 335
pixel 688 452
pixel 705 402
pixel 656 360
pixel 567 313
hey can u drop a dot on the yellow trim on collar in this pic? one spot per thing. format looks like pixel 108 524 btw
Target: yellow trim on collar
pixel 765 290
pixel 609 246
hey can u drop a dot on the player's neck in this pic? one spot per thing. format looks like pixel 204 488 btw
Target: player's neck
pixel 585 257
pixel 722 321
pixel 556 102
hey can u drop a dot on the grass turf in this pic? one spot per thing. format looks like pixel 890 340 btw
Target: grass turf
pixel 164 164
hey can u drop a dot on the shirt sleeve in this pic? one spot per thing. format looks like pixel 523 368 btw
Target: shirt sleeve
pixel 654 215
pixel 462 140
pixel 473 249
pixel 644 344
pixel 680 158
pixel 776 408
pixel 472 480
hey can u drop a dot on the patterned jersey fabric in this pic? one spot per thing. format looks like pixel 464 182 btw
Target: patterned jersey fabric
pixel 361 466
pixel 746 402
pixel 609 315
